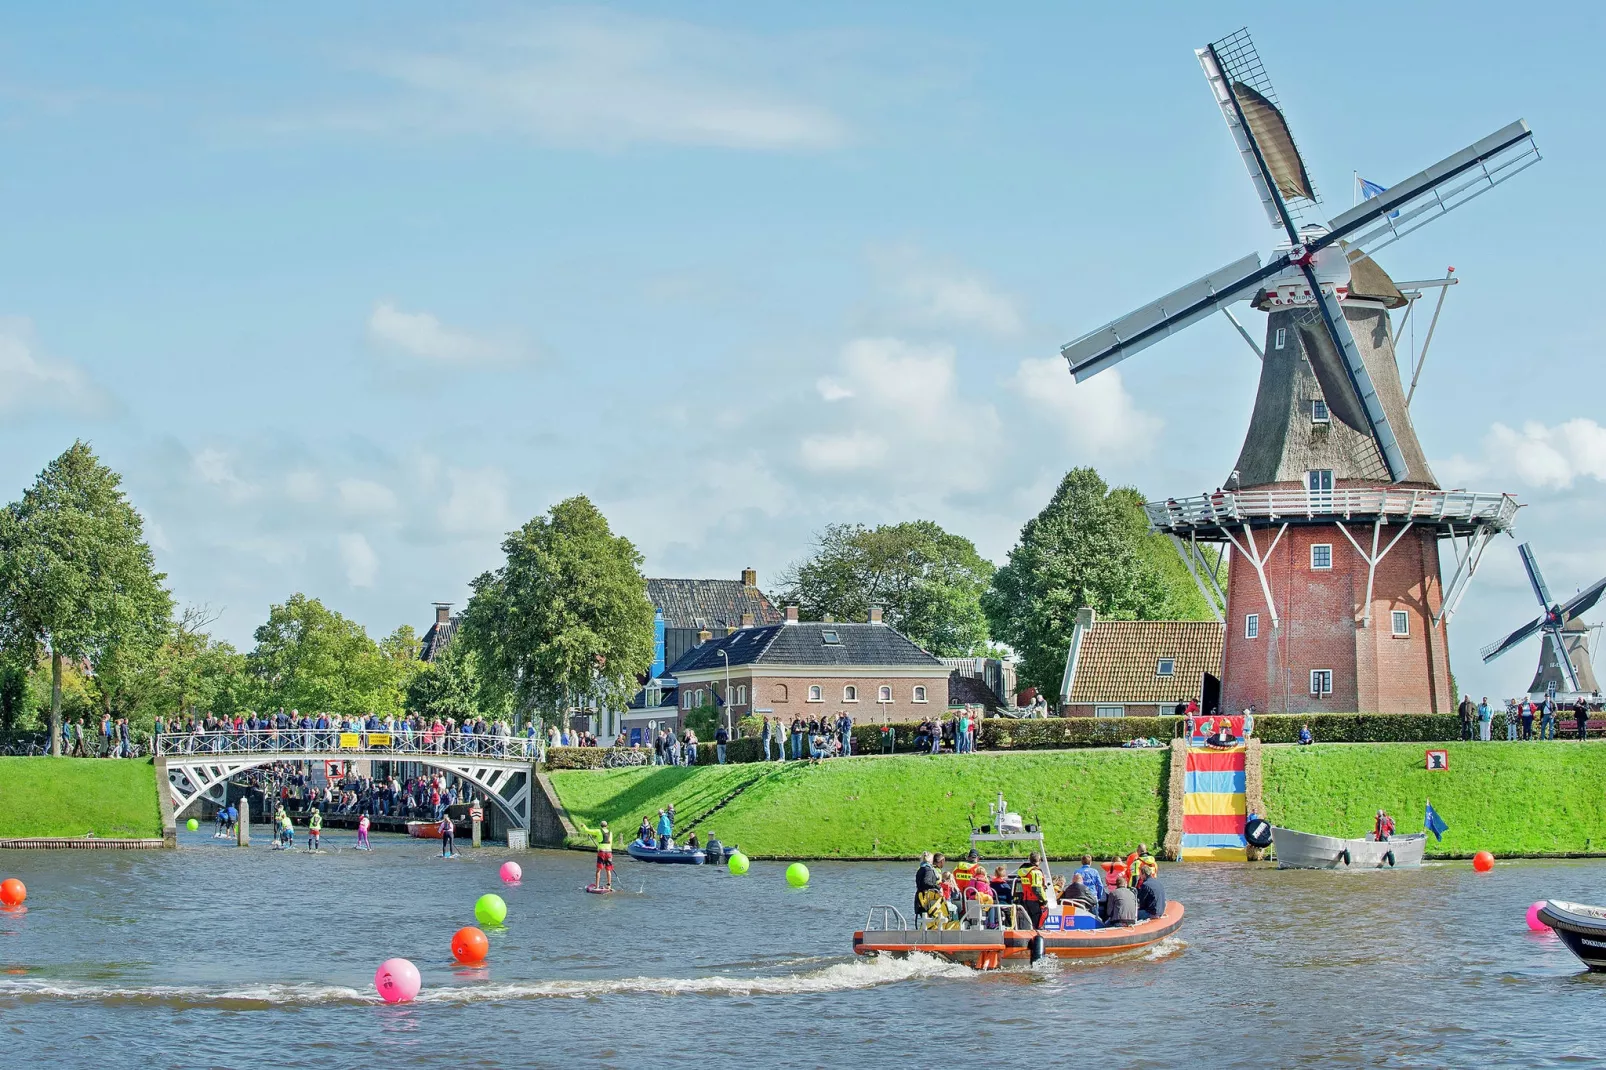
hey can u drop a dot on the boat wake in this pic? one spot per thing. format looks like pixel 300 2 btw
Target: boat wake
pixel 840 977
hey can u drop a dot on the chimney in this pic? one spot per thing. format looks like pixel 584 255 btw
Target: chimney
pixel 749 578
pixel 1085 617
pixel 875 614
pixel 747 620
pixel 443 612
pixel 704 636
pixel 826 618
pixel 791 614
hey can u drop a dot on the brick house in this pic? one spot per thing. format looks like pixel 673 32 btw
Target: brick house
pixel 1138 668
pixel 687 608
pixel 814 669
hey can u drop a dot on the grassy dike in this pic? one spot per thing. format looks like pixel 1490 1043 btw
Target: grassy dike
pixel 113 798
pixel 1509 798
pixel 887 807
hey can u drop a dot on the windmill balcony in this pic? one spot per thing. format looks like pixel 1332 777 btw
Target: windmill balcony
pixel 1452 511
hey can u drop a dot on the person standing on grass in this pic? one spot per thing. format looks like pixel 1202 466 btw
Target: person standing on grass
pixel 1466 712
pixel 1547 719
pixel 721 737
pixel 1485 719
pixel 1527 708
pixel 1581 718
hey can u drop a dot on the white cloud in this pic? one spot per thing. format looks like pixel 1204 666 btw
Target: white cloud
pixel 843 452
pixel 1097 416
pixel 936 293
pixel 363 497
pixel 423 335
pixel 29 379
pixel 214 468
pixel 362 564
pixel 477 503
pixel 303 486
pixel 599 79
pixel 831 390
pixel 1551 456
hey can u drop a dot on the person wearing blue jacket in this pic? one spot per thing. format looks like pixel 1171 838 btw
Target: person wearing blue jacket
pixel 1093 877
pixel 666 830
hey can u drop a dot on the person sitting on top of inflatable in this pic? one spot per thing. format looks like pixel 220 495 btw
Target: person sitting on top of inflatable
pixel 1120 906
pixel 970 875
pixel 644 833
pixel 1078 893
pixel 1093 877
pixel 1140 865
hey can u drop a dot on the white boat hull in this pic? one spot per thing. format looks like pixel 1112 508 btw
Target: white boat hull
pixel 1303 850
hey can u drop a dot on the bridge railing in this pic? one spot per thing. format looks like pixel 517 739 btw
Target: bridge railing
pixel 339 744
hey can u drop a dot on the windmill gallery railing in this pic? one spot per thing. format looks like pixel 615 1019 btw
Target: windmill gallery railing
pixel 339 744
pixel 1451 508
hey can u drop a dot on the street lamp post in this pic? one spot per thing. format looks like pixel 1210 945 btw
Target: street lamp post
pixel 729 727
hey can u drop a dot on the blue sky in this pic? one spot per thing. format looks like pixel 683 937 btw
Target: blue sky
pixel 347 294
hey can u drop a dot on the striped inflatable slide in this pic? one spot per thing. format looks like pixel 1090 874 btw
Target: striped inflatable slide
pixel 1213 805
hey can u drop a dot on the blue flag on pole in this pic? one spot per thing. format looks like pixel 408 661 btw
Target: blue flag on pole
pixel 1434 823
pixel 1370 189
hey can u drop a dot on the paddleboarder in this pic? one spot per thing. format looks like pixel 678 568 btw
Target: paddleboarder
pixel 604 837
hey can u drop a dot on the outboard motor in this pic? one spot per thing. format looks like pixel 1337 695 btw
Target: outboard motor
pixel 713 850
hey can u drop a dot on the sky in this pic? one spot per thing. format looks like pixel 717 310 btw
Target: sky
pixel 346 292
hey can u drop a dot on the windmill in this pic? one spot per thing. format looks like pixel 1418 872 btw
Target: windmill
pixel 1330 463
pixel 1564 661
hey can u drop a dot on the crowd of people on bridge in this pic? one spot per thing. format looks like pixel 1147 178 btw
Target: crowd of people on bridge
pixel 1120 892
pixel 294 730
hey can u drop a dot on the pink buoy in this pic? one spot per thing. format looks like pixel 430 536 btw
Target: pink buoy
pixel 1534 921
pixel 397 981
pixel 511 873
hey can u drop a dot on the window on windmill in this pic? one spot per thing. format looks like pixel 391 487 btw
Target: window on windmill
pixel 1321 555
pixel 1279 338
pixel 1401 621
pixel 1165 667
pixel 1321 682
pixel 1251 625
pixel 1318 412
pixel 830 638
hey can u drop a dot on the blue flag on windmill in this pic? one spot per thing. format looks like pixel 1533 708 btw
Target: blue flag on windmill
pixel 1370 189
pixel 1434 823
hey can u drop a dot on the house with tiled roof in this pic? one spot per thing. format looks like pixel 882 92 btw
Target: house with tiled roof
pixel 687 608
pixel 1139 668
pixel 814 669
pixel 438 636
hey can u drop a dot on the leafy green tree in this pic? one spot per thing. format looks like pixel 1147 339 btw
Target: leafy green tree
pixel 566 617
pixel 449 686
pixel 76 576
pixel 928 582
pixel 1089 546
pixel 310 658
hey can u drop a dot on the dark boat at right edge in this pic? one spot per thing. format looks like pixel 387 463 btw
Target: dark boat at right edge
pixel 1581 927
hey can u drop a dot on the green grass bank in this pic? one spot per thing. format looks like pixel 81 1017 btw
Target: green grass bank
pixel 1509 798
pixel 73 796
pixel 887 807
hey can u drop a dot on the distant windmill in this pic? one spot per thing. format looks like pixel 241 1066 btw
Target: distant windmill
pixel 1331 478
pixel 1564 660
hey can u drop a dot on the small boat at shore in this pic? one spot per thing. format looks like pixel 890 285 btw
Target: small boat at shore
pixel 990 949
pixel 1305 850
pixel 675 856
pixel 424 830
pixel 1581 927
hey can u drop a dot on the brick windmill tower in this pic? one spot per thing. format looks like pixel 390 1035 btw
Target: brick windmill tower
pixel 1331 519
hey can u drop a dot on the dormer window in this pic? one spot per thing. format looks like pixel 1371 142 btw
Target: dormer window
pixel 1318 412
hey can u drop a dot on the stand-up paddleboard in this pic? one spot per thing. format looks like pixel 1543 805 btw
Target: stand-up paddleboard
pixel 594 890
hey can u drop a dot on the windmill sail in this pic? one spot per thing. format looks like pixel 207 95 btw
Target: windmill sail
pixel 1277 147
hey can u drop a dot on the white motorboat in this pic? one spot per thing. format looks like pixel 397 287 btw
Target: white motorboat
pixel 1304 850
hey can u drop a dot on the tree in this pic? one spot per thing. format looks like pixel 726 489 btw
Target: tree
pixel 1090 546
pixel 310 658
pixel 449 686
pixel 566 617
pixel 76 576
pixel 928 582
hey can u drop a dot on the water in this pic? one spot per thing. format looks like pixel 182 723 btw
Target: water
pixel 215 956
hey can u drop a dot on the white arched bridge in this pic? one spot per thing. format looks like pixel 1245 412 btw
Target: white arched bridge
pixel 200 764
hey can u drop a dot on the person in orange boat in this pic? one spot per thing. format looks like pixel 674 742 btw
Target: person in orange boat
pixel 970 873
pixel 1033 889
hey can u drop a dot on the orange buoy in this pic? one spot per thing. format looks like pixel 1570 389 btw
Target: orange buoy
pixel 12 892
pixel 1483 861
pixel 469 945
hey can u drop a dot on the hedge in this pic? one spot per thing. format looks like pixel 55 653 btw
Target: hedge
pixel 1060 733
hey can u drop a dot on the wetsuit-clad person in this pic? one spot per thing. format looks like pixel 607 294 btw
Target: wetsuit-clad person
pixel 604 837
pixel 314 830
pixel 446 837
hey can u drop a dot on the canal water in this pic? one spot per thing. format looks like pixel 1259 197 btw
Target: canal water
pixel 218 956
